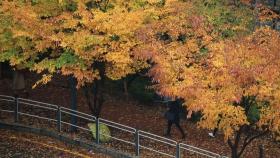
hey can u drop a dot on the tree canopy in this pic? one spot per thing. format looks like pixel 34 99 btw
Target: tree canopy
pixel 70 36
pixel 232 80
pixel 207 52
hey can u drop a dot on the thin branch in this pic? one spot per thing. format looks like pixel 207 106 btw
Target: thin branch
pixel 248 141
pixel 259 135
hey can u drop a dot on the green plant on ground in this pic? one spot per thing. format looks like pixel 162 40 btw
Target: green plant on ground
pixel 104 132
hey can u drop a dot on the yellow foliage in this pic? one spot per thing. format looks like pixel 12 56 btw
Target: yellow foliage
pixel 93 36
pixel 44 80
pixel 213 81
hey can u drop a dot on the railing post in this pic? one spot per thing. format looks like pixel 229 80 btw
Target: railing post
pixel 73 84
pixel 137 145
pixel 178 153
pixel 97 130
pixel 261 151
pixel 58 119
pixel 16 109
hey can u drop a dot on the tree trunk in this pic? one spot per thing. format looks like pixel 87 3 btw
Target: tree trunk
pixel 96 99
pixel 234 153
pixel 0 71
pixel 261 151
pixel 0 79
pixel 125 88
pixel 94 92
pixel 73 84
pixel 99 89
pixel 234 146
pixel 88 97
pixel 18 82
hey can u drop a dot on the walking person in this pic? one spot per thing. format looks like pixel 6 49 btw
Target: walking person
pixel 173 117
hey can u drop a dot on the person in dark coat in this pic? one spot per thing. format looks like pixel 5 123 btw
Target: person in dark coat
pixel 173 117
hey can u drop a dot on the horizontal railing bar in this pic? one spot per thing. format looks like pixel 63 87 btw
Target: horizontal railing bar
pixel 41 117
pixel 156 151
pixel 52 105
pixel 147 133
pixel 6 96
pixel 76 126
pixel 49 108
pixel 78 112
pixel 7 100
pixel 185 145
pixel 167 143
pixel 125 141
pixel 111 124
pixel 191 150
pixel 117 127
pixel 197 152
pixel 62 111
pixel 133 129
pixel 6 110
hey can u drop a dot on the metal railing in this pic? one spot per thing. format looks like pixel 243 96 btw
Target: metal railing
pixel 140 140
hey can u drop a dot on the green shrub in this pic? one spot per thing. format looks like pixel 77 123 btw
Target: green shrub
pixel 104 134
pixel 138 90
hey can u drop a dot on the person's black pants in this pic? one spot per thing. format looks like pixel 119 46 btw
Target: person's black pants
pixel 177 123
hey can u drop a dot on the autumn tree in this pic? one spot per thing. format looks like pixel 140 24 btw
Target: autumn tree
pixel 197 51
pixel 235 85
pixel 232 80
pixel 247 78
pixel 90 40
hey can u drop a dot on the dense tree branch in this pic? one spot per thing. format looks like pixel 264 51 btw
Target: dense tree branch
pixel 248 140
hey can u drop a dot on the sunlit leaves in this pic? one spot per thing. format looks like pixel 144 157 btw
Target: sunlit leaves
pixel 51 28
pixel 211 82
pixel 181 40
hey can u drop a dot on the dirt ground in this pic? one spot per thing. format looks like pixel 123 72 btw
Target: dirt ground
pixel 24 145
